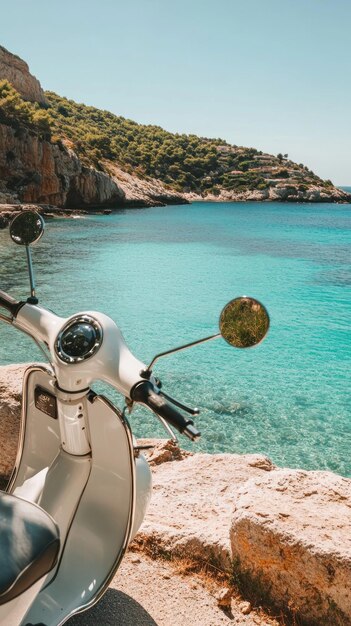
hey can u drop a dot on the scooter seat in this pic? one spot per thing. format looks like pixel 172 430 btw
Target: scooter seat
pixel 29 545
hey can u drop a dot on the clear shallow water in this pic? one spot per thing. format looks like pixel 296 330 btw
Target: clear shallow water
pixel 163 275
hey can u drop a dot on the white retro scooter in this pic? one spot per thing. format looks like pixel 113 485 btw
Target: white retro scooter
pixel 81 485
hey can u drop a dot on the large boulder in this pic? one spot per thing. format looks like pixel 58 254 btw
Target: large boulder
pixel 192 502
pixel 284 534
pixel 290 537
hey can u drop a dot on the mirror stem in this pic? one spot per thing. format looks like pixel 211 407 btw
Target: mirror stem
pixel 33 299
pixel 146 373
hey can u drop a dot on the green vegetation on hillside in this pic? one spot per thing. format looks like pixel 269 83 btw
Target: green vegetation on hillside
pixel 183 162
pixel 21 114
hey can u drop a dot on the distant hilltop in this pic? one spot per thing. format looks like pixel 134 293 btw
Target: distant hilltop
pixel 55 151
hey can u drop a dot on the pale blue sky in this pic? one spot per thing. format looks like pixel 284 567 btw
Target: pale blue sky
pixel 273 74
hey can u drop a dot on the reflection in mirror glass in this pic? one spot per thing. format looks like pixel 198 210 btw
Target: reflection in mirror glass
pixel 26 228
pixel 244 322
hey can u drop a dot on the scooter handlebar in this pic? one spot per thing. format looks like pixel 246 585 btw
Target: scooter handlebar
pixel 144 393
pixel 9 303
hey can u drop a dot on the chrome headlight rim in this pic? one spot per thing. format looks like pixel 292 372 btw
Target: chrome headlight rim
pixel 79 319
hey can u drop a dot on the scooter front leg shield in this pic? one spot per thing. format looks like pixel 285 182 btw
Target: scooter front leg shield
pixel 39 440
pixel 102 525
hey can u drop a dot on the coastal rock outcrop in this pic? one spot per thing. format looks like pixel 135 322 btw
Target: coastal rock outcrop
pixel 16 71
pixel 279 193
pixel 40 171
pixel 77 157
pixel 33 170
pixel 197 495
pixel 284 533
pixel 143 191
pixel 291 535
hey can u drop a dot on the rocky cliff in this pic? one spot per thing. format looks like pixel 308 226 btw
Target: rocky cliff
pixel 16 71
pixel 34 170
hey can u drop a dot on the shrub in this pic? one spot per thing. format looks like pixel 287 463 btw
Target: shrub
pixel 16 112
pixel 282 174
pixel 184 162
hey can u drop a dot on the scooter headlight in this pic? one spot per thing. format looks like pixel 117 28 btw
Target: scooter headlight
pixel 79 339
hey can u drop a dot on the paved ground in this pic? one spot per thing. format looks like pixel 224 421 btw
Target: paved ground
pixel 150 593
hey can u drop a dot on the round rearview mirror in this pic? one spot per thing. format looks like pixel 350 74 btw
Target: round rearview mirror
pixel 244 322
pixel 26 228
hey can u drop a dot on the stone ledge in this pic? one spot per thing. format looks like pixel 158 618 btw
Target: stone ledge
pixel 291 534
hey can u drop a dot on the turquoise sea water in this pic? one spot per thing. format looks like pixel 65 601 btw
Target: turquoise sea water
pixel 163 275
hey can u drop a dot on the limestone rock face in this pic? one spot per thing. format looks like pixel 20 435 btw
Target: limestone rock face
pixel 143 192
pixel 16 71
pixel 38 171
pixel 193 499
pixel 92 188
pixel 291 532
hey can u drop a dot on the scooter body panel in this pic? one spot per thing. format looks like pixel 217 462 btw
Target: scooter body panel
pixel 102 525
pixel 98 500
pixel 39 440
pixel 11 613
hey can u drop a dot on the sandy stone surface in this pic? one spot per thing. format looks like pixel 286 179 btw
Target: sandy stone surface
pixel 151 593
pixel 193 499
pixel 10 410
pixel 292 531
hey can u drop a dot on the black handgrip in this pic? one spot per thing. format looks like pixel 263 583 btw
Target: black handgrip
pixel 9 303
pixel 144 393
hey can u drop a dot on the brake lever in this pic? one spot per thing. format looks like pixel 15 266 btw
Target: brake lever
pixel 194 411
pixel 129 405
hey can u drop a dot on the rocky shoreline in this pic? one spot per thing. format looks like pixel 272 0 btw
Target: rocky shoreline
pixel 36 171
pixel 282 536
pixel 8 211
pixel 143 194
pixel 279 193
